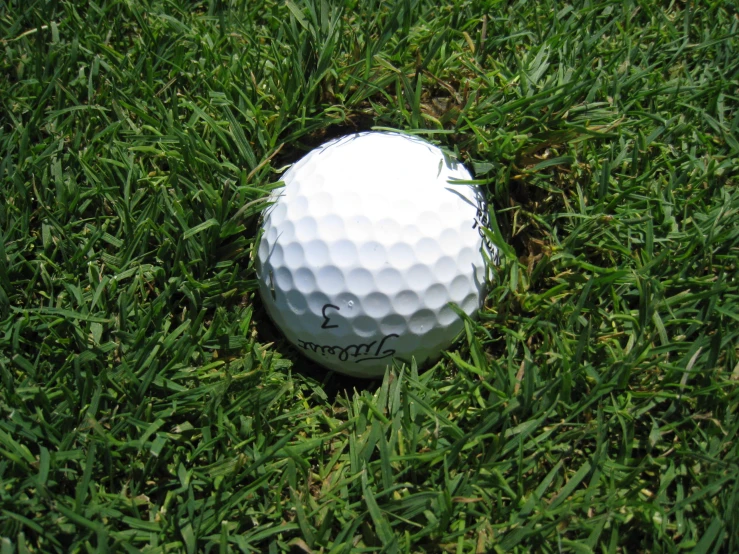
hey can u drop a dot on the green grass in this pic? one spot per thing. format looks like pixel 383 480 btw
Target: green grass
pixel 146 403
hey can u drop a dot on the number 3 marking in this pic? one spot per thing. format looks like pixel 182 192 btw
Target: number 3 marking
pixel 326 318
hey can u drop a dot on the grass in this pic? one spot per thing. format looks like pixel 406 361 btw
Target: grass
pixel 148 404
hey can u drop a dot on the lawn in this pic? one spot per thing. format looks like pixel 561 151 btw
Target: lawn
pixel 148 404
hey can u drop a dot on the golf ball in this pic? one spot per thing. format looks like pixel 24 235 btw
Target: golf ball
pixel 365 248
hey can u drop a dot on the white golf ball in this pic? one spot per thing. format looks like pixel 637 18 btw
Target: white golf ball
pixel 365 247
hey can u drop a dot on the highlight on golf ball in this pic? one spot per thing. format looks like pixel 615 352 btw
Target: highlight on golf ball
pixel 364 248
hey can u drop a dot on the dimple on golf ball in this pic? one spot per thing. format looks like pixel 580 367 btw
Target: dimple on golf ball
pixel 365 248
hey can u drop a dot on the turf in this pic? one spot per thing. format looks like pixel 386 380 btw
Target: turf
pixel 148 404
